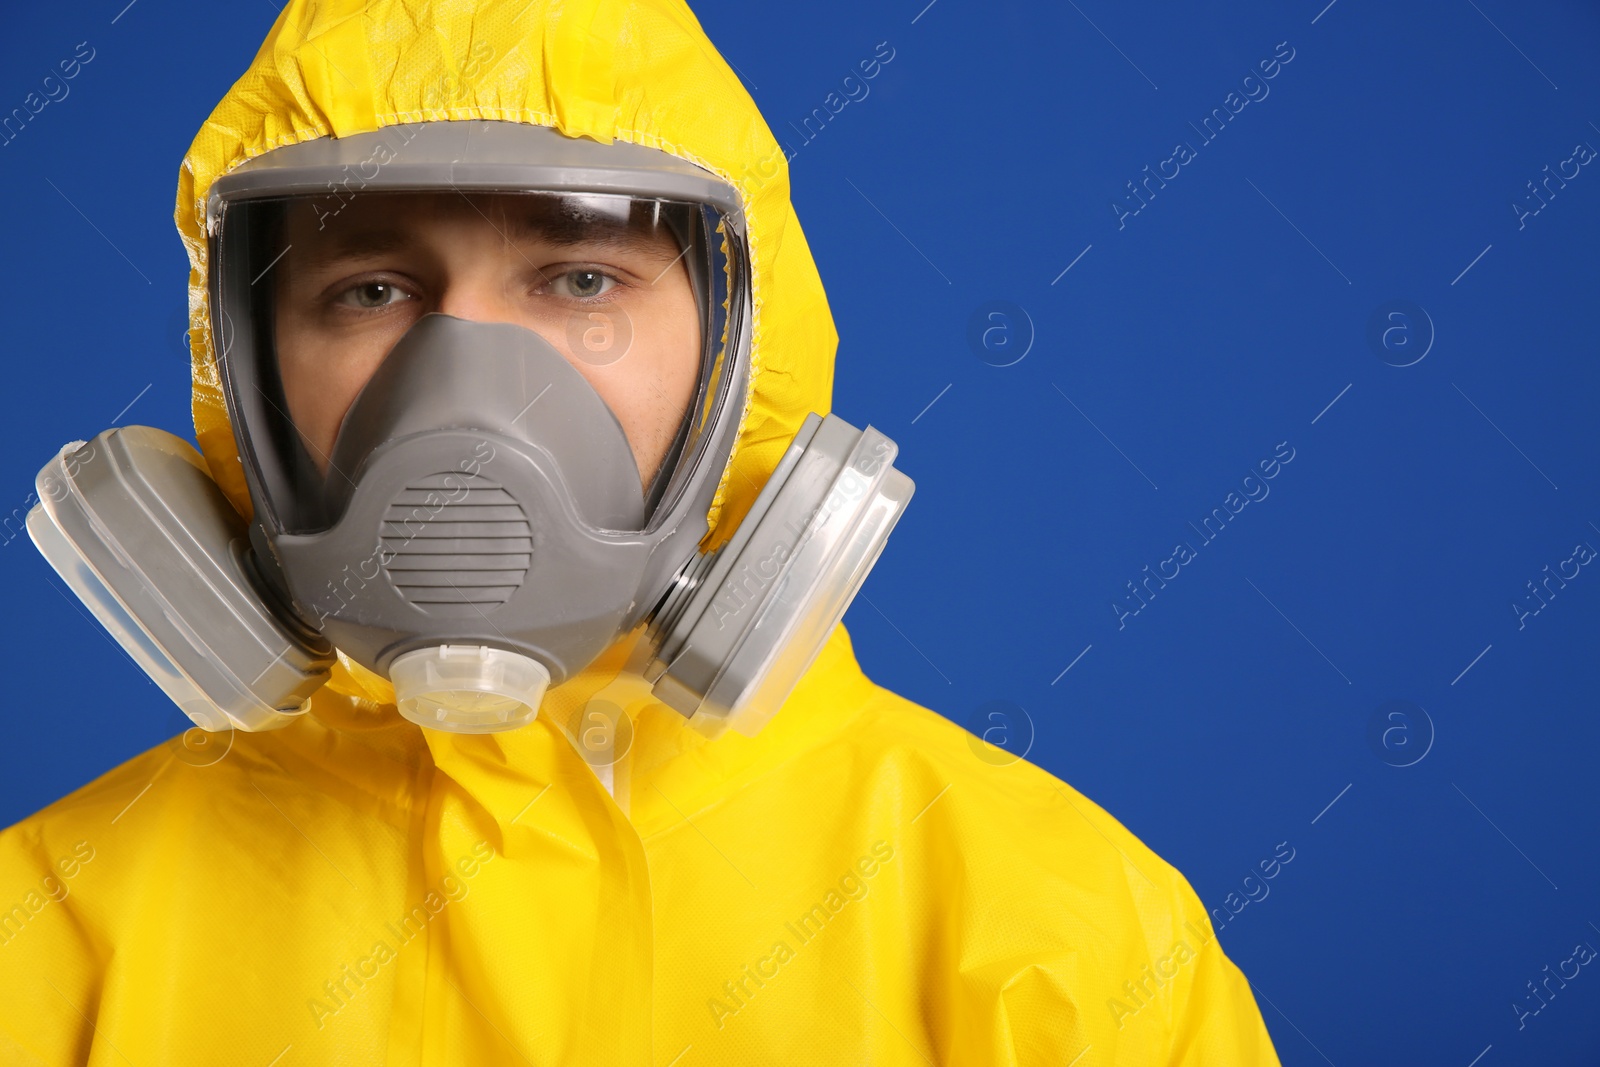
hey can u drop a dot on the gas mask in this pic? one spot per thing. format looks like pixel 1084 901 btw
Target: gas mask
pixel 475 525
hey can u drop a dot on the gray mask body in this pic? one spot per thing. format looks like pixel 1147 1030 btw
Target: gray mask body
pixel 482 494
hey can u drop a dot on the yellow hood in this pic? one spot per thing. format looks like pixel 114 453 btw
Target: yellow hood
pixel 640 71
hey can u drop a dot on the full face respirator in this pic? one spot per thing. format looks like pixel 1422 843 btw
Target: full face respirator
pixel 478 527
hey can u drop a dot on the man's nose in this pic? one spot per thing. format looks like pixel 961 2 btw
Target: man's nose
pixel 477 299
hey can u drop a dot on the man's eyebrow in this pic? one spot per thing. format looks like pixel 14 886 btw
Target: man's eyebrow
pixel 350 244
pixel 607 233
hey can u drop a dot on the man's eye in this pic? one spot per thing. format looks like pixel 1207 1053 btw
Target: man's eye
pixel 583 284
pixel 373 295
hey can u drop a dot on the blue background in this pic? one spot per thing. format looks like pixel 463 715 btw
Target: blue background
pixel 1236 709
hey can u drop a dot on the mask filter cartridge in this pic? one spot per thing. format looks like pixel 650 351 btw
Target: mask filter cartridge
pixel 135 526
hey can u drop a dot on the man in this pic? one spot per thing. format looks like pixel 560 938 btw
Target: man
pixel 480 869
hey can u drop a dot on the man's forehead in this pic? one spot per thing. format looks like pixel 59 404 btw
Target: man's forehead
pixel 387 222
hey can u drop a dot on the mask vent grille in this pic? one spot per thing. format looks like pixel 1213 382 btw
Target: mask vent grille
pixel 456 543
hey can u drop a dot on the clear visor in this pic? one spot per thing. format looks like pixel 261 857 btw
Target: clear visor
pixel 313 292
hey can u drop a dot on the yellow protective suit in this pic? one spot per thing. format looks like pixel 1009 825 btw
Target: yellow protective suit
pixel 853 886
